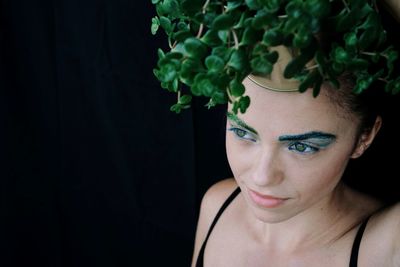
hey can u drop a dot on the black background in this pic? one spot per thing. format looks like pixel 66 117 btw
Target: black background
pixel 95 170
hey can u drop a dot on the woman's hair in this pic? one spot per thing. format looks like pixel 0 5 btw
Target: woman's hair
pixel 372 102
pixel 365 107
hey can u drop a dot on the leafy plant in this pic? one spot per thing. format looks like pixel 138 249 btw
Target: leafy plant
pixel 215 44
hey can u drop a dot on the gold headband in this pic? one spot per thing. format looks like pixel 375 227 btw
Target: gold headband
pixel 275 81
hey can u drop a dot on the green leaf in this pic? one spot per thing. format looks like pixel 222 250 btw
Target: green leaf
pixel 155 24
pixel 263 19
pixel 356 3
pixel 293 8
pixel 191 7
pixel 214 63
pixel 182 35
pixel 273 37
pixel 292 24
pixel 244 103
pixel 234 4
pixel 236 88
pixel 361 85
pixel 250 36
pixel 203 85
pixel 176 108
pixel 235 107
pixel 396 86
pixel 185 99
pixel 260 49
pixel 169 8
pixel 310 79
pixel 302 40
pixel 350 39
pixel 347 21
pixel 261 66
pixel 368 37
pixel 341 55
pixel 211 38
pixel 166 24
pixel 155 1
pixel 220 80
pixel 243 17
pixel 223 36
pixel 160 53
pixel 321 61
pixel 219 97
pixel 318 8
pixel 222 52
pixel 271 5
pixel 391 56
pixel 167 73
pixel 253 4
pixel 272 57
pixel 210 104
pixel 195 48
pixel 358 64
pixel 338 68
pixel 294 67
pixel 175 84
pixel 238 60
pixel 182 26
pixel 191 65
pixel 223 22
pixel 317 86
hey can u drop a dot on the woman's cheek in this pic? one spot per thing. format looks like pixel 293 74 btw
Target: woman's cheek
pixel 240 155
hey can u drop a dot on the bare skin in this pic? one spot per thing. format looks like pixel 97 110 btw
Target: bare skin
pixel 317 222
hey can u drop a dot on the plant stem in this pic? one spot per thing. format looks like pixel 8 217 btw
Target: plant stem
pixel 169 43
pixel 231 99
pixel 179 95
pixel 312 67
pixel 200 31
pixel 368 53
pixel 346 5
pixel 235 38
pixel 201 25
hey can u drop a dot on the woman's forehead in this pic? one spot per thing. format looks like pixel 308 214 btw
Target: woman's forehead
pixel 291 111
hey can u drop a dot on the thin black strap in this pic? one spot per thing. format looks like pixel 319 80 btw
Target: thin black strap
pixel 200 259
pixel 356 244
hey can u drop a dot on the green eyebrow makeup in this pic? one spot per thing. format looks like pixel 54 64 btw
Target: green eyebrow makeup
pixel 239 122
pixel 320 138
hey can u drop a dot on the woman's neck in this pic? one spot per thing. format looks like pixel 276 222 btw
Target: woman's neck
pixel 320 224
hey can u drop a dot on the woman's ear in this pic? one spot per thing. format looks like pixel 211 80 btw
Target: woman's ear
pixel 366 139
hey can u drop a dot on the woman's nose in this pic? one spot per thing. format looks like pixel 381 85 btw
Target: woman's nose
pixel 267 170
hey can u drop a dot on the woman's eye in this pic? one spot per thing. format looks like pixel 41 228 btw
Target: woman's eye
pixel 242 134
pixel 303 148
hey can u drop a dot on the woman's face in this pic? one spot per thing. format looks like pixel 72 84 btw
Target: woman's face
pixel 290 148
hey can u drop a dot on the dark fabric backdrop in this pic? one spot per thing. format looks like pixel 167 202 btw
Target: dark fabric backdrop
pixel 95 169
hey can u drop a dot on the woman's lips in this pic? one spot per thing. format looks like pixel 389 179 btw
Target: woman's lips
pixel 265 200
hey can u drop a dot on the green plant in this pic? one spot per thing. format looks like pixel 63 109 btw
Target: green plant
pixel 215 44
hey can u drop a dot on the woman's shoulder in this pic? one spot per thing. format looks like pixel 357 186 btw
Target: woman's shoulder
pixel 210 204
pixel 384 229
pixel 214 198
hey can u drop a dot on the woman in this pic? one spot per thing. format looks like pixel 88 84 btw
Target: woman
pixel 287 205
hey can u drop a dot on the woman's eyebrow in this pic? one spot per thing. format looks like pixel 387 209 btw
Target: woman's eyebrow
pixel 309 135
pixel 232 117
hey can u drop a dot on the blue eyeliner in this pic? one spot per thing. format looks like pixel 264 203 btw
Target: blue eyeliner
pixel 309 143
pixel 308 136
pixel 241 133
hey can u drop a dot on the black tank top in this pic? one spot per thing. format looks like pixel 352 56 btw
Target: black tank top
pixel 354 250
